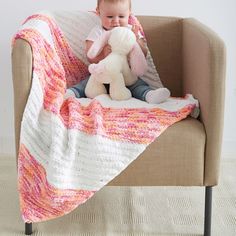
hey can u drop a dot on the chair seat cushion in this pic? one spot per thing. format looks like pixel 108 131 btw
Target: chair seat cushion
pixel 175 158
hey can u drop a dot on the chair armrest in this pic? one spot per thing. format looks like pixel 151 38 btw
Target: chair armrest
pixel 204 77
pixel 22 78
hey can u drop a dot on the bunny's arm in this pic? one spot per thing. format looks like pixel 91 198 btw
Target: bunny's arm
pixel 105 51
pixel 143 45
pixel 96 47
pixel 137 61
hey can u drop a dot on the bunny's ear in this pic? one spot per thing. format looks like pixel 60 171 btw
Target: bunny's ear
pixel 138 63
pixel 98 45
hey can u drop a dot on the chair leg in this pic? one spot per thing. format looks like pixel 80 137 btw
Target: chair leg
pixel 28 228
pixel 208 206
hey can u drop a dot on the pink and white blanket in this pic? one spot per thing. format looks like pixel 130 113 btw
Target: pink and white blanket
pixel 70 149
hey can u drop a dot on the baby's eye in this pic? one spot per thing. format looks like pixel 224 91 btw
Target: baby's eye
pixel 110 17
pixel 121 16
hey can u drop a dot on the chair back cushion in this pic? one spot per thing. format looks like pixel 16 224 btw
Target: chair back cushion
pixel 164 37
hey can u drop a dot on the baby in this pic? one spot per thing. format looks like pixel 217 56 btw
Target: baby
pixel 115 13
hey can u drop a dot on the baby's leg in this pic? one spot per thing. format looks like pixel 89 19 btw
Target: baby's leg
pixel 141 90
pixel 77 90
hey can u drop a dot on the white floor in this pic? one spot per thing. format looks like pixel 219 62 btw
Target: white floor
pixel 129 211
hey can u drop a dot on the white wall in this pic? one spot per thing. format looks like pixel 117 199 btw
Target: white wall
pixel 217 14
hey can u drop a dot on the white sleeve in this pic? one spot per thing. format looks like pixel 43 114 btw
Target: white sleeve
pixel 95 33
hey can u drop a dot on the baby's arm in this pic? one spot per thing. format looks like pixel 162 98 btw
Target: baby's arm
pixel 105 51
pixel 140 41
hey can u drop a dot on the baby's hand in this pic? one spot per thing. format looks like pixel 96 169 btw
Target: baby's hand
pixel 135 29
pixel 106 50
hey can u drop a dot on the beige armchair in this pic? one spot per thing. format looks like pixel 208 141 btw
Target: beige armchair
pixel 190 58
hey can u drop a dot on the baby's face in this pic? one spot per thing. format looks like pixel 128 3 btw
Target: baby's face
pixel 114 14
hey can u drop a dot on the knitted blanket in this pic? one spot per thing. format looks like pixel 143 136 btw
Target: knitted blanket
pixel 69 149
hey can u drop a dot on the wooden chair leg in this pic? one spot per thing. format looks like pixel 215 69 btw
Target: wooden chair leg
pixel 28 228
pixel 208 206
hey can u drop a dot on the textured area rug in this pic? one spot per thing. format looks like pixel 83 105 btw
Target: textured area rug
pixel 135 211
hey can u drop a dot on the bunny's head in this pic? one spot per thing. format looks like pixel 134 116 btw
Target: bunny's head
pixel 122 40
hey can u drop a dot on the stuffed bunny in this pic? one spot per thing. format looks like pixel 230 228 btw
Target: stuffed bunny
pixel 115 69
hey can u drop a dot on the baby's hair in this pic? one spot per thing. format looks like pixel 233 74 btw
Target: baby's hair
pixel 113 1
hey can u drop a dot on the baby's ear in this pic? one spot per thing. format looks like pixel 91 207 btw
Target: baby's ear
pixel 98 45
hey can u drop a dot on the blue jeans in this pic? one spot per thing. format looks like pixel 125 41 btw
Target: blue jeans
pixel 138 90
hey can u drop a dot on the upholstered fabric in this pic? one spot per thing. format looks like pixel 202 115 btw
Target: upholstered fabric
pixel 204 75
